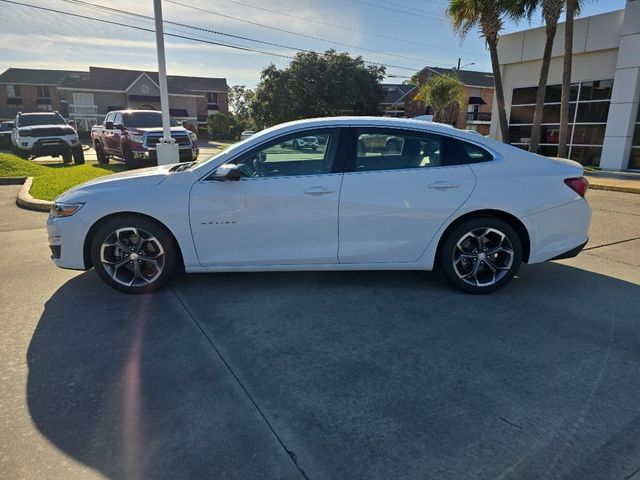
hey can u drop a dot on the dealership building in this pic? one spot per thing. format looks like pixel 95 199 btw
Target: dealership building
pixel 604 116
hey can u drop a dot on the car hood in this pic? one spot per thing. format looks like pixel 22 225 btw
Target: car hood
pixel 37 127
pixel 159 129
pixel 135 178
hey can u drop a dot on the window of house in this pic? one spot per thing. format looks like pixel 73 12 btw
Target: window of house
pixel 13 91
pixel 43 91
pixel 212 97
pixel 144 89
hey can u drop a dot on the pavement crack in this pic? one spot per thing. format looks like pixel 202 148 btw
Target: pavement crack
pixel 290 453
pixel 628 477
pixel 511 423
pixel 612 243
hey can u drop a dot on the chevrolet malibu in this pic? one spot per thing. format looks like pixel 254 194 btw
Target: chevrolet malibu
pixel 443 199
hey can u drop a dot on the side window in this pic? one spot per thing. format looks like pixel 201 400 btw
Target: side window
pixel 117 119
pixel 473 153
pixel 109 118
pixel 389 149
pixel 308 153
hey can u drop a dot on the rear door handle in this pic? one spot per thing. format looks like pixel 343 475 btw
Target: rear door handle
pixel 318 191
pixel 443 185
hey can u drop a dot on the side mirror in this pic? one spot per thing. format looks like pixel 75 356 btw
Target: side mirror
pixel 108 125
pixel 226 172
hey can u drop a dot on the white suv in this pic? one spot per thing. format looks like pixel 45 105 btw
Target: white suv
pixel 45 134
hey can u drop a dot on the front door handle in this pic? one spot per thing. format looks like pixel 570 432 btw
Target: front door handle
pixel 443 185
pixel 318 191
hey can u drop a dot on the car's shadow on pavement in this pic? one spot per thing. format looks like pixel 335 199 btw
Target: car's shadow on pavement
pixel 360 374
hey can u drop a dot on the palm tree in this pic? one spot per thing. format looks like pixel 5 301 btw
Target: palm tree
pixel 551 10
pixel 573 7
pixel 441 91
pixel 488 16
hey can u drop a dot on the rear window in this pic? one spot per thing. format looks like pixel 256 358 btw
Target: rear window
pixel 6 126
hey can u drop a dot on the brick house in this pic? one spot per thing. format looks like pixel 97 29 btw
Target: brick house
pixel 474 113
pixel 86 97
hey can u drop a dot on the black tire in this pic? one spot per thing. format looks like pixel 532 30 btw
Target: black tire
pixel 150 279
pixel 18 152
pixel 102 157
pixel 127 154
pixel 78 155
pixel 67 157
pixel 492 270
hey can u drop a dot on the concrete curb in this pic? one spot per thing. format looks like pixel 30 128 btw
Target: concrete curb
pixel 26 201
pixel 613 188
pixel 12 180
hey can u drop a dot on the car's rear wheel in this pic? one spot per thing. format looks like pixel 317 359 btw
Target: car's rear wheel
pixel 134 254
pixel 78 155
pixel 102 157
pixel 480 255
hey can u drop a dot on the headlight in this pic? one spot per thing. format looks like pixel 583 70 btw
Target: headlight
pixel 137 138
pixel 193 136
pixel 24 133
pixel 64 209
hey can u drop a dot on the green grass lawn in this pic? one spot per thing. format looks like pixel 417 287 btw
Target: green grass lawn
pixel 51 180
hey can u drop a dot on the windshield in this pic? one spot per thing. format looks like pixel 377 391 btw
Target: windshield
pixel 28 120
pixel 145 120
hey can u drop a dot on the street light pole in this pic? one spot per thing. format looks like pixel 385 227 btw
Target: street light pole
pixel 167 149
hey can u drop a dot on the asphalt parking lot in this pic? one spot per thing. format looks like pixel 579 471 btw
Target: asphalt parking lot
pixel 356 375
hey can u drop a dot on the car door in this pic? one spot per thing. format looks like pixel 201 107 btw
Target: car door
pixel 399 187
pixel 284 211
pixel 116 133
pixel 107 142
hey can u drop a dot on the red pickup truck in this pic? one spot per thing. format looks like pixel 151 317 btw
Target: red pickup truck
pixel 132 136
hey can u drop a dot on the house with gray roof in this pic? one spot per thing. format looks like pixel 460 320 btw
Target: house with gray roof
pixel 86 97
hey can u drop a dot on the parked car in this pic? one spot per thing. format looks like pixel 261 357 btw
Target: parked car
pixel 246 134
pixel 132 136
pixel 310 143
pixel 6 128
pixel 470 206
pixel 45 134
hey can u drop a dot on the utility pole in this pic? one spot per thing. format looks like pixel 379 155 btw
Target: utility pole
pixel 167 150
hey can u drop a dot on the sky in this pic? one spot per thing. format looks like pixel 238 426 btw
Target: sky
pixel 404 34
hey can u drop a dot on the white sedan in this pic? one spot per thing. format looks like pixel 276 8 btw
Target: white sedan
pixel 469 206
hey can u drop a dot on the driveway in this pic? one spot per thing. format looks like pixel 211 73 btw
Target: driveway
pixel 354 375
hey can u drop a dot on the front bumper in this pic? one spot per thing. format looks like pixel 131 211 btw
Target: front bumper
pixel 150 155
pixel 47 146
pixel 66 241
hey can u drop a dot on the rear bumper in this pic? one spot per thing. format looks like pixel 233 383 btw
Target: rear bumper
pixel 571 253
pixel 558 231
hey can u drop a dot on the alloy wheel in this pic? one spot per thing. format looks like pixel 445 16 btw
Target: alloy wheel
pixel 482 257
pixel 132 256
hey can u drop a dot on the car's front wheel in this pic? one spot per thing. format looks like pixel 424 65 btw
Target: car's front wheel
pixel 134 254
pixel 480 255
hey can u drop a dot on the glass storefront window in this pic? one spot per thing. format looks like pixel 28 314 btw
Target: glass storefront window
pixel 589 110
pixel 596 90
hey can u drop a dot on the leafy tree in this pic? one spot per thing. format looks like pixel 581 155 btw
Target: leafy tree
pixel 573 7
pixel 551 10
pixel 240 98
pixel 317 85
pixel 488 16
pixel 441 91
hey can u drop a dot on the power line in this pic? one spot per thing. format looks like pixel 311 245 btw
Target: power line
pixel 186 37
pixel 364 49
pixel 413 13
pixel 345 28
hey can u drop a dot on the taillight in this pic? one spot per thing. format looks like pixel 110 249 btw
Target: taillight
pixel 578 185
